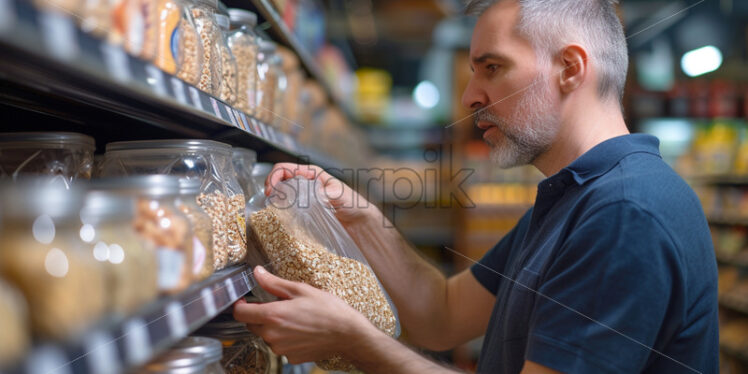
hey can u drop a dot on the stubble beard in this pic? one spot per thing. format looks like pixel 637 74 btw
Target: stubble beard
pixel 528 132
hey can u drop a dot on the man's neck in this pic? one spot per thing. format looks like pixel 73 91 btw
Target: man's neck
pixel 580 131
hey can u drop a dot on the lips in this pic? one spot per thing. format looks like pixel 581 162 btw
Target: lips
pixel 490 132
pixel 485 125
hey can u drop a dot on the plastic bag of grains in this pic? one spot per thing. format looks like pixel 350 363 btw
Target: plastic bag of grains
pixel 298 232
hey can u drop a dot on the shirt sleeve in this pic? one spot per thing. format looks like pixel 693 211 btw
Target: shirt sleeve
pixel 614 288
pixel 489 269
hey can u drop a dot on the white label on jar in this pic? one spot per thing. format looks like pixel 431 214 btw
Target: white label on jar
pixel 209 302
pixel 178 87
pixel 176 319
pixel 101 353
pixel 170 264
pixel 232 291
pixel 216 110
pixel 59 35
pixel 48 359
pixel 198 253
pixel 156 79
pixel 137 342
pixel 195 94
pixel 116 62
pixel 7 16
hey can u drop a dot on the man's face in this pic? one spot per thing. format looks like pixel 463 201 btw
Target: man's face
pixel 521 115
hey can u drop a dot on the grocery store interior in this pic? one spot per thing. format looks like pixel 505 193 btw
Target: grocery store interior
pixel 137 136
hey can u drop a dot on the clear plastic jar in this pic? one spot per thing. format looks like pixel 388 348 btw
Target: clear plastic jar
pixel 229 80
pixel 65 156
pixel 291 101
pixel 202 228
pixel 203 13
pixel 211 351
pixel 243 43
pixel 42 255
pixel 16 337
pixel 244 161
pixel 179 51
pixel 131 268
pixel 279 95
pixel 266 82
pixel 243 352
pixel 174 362
pixel 205 160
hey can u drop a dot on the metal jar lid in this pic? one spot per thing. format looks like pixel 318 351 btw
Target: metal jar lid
pixel 175 362
pixel 32 197
pixel 176 144
pixel 47 140
pixel 142 185
pixel 241 17
pixel 210 349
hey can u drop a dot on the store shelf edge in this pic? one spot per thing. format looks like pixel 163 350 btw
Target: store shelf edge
pixel 122 346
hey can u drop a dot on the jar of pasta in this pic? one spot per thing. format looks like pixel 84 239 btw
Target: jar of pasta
pixel 243 43
pixel 42 255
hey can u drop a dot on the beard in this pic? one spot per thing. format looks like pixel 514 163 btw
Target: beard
pixel 528 132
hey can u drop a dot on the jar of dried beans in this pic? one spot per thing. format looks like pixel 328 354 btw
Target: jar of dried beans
pixel 229 82
pixel 204 160
pixel 203 13
pixel 266 82
pixel 243 43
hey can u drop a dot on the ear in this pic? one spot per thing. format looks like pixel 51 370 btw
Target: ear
pixel 575 63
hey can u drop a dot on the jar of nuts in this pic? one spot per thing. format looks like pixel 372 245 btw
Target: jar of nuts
pixel 202 228
pixel 205 160
pixel 229 80
pixel 62 156
pixel 107 229
pixel 243 43
pixel 42 255
pixel 266 82
pixel 203 13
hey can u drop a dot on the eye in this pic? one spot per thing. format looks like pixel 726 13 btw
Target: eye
pixel 492 67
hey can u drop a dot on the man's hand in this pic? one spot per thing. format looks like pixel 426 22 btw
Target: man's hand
pixel 306 324
pixel 349 206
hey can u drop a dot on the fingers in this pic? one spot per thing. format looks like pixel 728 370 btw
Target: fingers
pixel 283 171
pixel 250 313
pixel 279 287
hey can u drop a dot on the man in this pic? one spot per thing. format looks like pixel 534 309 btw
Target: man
pixel 611 271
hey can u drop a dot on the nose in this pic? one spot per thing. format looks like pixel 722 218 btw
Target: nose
pixel 473 98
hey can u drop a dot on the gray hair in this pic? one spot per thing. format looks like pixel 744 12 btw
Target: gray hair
pixel 549 24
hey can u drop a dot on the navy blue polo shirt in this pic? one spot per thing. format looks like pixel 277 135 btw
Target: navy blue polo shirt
pixel 611 271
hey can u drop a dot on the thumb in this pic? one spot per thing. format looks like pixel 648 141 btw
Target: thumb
pixel 279 287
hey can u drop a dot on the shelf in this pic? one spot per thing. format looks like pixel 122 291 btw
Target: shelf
pixel 54 77
pixel 117 347
pixel 728 220
pixel 281 31
pixel 720 180
pixel 734 352
pixel 735 302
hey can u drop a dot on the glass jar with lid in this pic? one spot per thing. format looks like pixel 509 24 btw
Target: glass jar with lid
pixel 243 352
pixel 243 43
pixel 202 228
pixel 63 156
pixel 179 51
pixel 244 161
pixel 174 362
pixel 16 337
pixel 205 160
pixel 160 224
pixel 203 13
pixel 107 228
pixel 229 80
pixel 210 349
pixel 42 255
pixel 266 81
